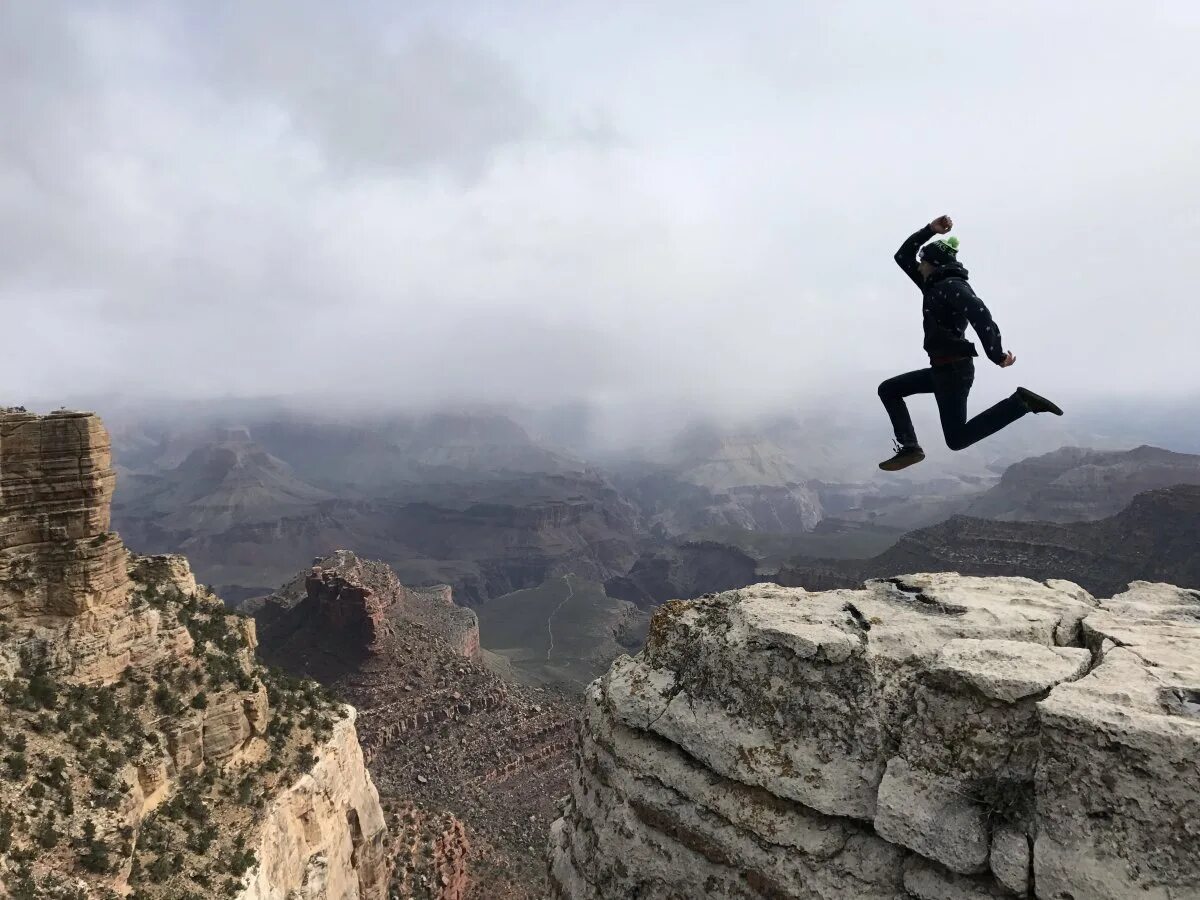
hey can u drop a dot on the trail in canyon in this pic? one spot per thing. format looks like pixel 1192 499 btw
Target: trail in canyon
pixel 566 600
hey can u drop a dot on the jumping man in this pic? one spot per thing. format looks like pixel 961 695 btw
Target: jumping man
pixel 948 305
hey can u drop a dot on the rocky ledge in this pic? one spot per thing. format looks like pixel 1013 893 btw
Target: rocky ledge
pixel 936 737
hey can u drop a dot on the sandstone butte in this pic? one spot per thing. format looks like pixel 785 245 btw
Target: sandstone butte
pixel 144 750
pixel 935 737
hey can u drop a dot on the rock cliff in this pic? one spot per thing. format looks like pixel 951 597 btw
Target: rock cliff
pixel 930 737
pixel 468 764
pixel 327 827
pixel 145 751
pixel 367 583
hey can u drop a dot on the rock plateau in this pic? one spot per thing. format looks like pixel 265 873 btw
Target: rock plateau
pixel 929 737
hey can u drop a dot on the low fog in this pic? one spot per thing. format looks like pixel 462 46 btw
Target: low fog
pixel 689 209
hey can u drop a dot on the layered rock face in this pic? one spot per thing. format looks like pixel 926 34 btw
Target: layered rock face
pixel 477 504
pixel 936 737
pixel 146 752
pixel 355 603
pixel 56 484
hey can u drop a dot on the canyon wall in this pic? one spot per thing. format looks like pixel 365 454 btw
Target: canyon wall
pixel 935 737
pixel 324 836
pixel 146 751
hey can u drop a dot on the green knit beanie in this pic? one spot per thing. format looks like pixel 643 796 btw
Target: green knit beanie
pixel 941 252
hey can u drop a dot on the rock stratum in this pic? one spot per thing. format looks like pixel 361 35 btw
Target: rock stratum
pixel 929 737
pixel 144 750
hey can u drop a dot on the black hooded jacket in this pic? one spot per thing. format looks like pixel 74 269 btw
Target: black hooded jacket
pixel 949 304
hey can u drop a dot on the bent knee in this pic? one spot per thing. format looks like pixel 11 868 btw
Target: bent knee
pixel 886 390
pixel 956 443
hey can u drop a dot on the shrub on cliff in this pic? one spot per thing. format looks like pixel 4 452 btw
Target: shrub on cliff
pixel 95 855
pixel 47 834
pixel 167 701
pixel 16 766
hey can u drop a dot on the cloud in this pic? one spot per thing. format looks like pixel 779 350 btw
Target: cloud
pixel 425 100
pixel 685 207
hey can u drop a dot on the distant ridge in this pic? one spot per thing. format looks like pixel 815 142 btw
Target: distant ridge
pixel 1152 539
pixel 1075 484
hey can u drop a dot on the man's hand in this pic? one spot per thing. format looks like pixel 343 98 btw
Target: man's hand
pixel 942 224
pixel 1008 360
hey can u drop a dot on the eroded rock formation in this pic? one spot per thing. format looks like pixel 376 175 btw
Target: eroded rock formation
pixel 936 737
pixel 355 603
pixel 447 740
pixel 146 752
pixel 1074 484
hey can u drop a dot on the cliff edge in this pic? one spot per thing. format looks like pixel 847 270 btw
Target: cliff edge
pixel 936 737
pixel 145 752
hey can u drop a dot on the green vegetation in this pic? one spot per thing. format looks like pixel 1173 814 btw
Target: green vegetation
pixel 60 738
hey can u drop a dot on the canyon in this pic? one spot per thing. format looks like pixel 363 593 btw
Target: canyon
pixel 468 762
pixel 348 735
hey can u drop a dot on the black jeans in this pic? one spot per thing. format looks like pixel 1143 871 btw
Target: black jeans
pixel 950 384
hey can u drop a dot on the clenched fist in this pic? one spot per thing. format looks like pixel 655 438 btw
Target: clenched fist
pixel 942 224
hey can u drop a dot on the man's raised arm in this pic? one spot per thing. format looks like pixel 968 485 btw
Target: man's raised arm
pixel 906 256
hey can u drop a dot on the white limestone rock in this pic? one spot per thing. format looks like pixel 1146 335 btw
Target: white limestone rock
pixel 899 741
pixel 933 815
pixel 710 836
pixel 1010 670
pixel 1118 789
pixel 324 837
pixel 1011 859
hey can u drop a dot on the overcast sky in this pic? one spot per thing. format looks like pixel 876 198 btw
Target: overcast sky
pixel 677 203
